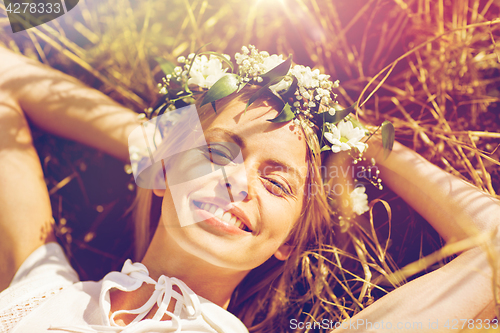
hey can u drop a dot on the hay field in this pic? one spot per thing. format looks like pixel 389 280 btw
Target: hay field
pixel 431 67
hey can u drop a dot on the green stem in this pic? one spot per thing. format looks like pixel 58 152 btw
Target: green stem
pixel 373 133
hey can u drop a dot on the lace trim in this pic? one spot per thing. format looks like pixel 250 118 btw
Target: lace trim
pixel 12 316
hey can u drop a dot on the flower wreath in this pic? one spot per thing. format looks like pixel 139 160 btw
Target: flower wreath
pixel 301 90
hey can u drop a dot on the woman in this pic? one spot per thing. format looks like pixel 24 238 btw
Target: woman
pixel 218 273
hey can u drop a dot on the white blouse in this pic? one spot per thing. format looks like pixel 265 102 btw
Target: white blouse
pixel 45 295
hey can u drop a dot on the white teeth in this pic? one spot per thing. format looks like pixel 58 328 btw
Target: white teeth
pixel 219 212
pixel 239 224
pixel 223 216
pixel 227 217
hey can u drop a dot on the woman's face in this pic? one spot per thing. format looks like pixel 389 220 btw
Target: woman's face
pixel 265 196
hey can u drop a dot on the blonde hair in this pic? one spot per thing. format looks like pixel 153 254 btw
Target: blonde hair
pixel 276 290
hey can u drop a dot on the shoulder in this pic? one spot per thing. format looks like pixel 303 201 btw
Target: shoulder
pixel 46 269
pixel 44 274
pixel 72 305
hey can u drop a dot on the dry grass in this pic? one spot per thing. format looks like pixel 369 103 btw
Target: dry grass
pixel 430 67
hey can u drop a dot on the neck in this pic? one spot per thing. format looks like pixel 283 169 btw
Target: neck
pixel 164 257
pixel 214 283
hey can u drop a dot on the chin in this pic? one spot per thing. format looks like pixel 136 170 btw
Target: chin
pixel 196 243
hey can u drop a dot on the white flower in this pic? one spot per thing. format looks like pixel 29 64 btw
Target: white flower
pixel 323 92
pixel 313 94
pixel 280 86
pixel 306 77
pixel 344 137
pixel 359 200
pixel 252 63
pixel 239 58
pixel 205 72
pixel 271 61
pixel 178 70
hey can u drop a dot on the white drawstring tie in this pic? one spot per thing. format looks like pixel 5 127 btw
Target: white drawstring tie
pixel 132 276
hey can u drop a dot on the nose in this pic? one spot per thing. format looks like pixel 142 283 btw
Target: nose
pixel 234 180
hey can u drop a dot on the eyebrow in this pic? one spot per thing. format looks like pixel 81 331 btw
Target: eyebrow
pixel 233 136
pixel 285 166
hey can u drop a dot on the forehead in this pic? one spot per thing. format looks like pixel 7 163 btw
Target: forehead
pixel 271 141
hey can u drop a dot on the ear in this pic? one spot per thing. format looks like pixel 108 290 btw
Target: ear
pixel 159 179
pixel 159 193
pixel 283 252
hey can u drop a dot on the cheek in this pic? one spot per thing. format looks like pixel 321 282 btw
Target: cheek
pixel 282 215
pixel 169 216
pixel 187 166
pixel 178 201
pixel 187 172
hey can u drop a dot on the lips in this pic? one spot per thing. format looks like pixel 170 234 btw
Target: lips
pixel 229 215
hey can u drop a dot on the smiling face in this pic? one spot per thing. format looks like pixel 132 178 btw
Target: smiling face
pixel 241 230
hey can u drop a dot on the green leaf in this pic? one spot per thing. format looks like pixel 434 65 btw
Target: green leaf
pixel 259 92
pixel 325 148
pixel 225 86
pixel 279 71
pixel 166 66
pixel 387 137
pixel 285 115
pixel 289 95
pixel 339 115
pixel 325 117
pixel 242 85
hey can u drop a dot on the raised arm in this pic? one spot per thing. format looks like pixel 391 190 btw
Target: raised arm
pixel 463 289
pixel 58 104
pixel 62 105
pixel 455 208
